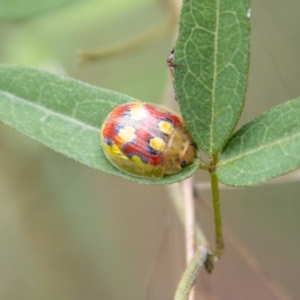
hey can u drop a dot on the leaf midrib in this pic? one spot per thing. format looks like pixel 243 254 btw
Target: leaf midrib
pixel 248 153
pixel 214 75
pixel 48 111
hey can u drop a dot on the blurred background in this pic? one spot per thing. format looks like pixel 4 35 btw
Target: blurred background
pixel 69 232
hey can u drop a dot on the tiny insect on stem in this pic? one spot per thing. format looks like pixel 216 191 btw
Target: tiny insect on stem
pixel 171 65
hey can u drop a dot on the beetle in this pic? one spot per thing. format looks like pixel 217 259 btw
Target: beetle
pixel 147 140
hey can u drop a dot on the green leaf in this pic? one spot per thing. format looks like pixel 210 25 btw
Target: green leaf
pixel 211 67
pixel 266 147
pixel 22 9
pixel 65 115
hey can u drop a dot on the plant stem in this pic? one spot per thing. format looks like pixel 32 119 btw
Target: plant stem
pixel 188 197
pixel 217 209
pixel 189 276
pixel 189 211
pixel 177 199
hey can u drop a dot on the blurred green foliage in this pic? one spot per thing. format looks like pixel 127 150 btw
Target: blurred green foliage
pixel 61 231
pixel 26 9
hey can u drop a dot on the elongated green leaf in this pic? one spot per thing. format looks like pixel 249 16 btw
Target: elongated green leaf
pixel 64 114
pixel 21 9
pixel 266 147
pixel 211 67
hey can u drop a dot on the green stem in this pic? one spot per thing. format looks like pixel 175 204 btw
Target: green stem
pixel 217 209
pixel 190 274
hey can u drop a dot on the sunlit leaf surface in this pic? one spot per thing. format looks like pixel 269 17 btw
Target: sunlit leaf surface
pixel 211 68
pixel 266 147
pixel 64 114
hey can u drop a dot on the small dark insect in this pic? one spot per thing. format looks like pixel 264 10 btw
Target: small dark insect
pixel 170 64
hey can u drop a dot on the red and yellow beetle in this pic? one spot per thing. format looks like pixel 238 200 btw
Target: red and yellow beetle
pixel 147 140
